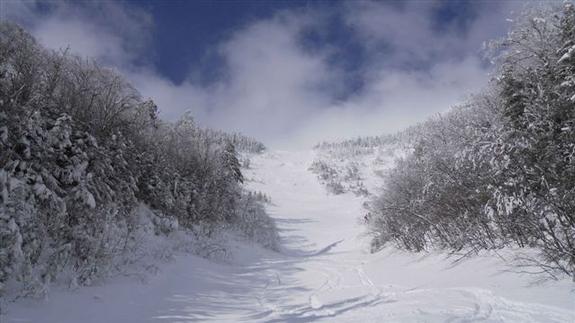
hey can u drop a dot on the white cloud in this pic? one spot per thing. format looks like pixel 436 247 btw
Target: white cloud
pixel 273 88
pixel 411 34
pixel 397 99
pixel 103 30
pixel 272 83
pixel 84 40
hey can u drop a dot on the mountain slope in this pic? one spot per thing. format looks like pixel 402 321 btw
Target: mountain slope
pixel 323 273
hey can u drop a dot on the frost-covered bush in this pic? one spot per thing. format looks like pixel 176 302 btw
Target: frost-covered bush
pixel 429 189
pixel 81 151
pixel 344 166
pixel 339 179
pixel 254 224
pixel 334 187
pixel 501 170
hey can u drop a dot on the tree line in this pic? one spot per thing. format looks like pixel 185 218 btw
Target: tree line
pixel 499 170
pixel 81 151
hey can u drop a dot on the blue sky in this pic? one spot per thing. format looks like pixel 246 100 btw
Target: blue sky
pixel 200 24
pixel 204 23
pixel 289 73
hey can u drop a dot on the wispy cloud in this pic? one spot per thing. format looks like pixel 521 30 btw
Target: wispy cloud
pixel 275 89
pixel 104 30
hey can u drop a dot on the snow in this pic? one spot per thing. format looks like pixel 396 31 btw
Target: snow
pixel 3 133
pixel 324 273
pixel 539 20
pixel 3 185
pixel 90 200
pixel 567 55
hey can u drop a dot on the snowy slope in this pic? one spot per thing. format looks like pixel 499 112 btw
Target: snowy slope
pixel 324 274
pixel 358 169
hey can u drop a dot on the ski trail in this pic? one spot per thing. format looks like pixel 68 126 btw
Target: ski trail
pixel 339 287
pixel 323 274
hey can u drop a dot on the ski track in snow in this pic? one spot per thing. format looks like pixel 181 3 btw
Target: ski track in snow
pixel 323 273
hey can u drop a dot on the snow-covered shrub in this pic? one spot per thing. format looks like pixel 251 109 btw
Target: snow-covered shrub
pixel 345 166
pixel 254 224
pixel 81 151
pixel 334 187
pixel 500 170
pixel 323 170
pixel 338 179
pixel 259 197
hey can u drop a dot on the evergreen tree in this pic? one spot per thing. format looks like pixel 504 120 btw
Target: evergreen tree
pixel 231 162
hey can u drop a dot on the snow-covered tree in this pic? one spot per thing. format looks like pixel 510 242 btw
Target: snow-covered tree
pixel 499 170
pixel 80 150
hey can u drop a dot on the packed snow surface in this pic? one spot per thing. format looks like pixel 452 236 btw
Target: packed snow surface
pixel 324 273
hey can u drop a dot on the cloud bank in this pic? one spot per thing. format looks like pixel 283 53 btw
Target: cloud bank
pixel 274 87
